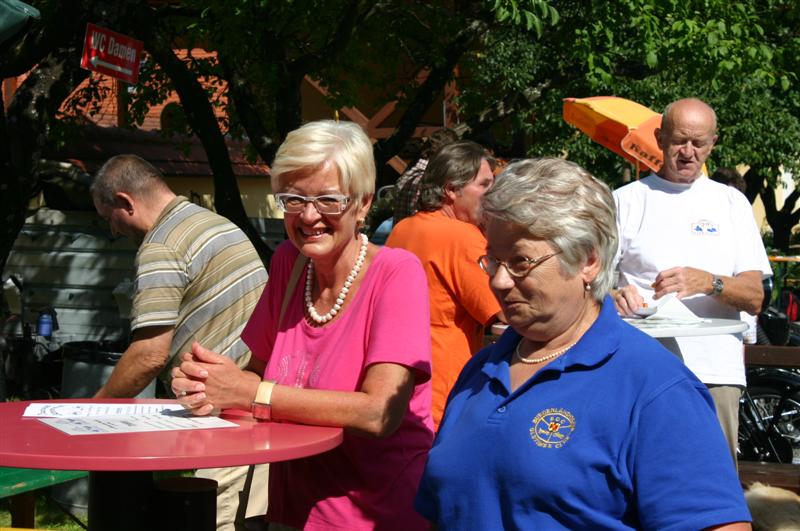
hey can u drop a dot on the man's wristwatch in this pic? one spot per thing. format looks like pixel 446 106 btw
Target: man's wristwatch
pixel 716 285
pixel 262 404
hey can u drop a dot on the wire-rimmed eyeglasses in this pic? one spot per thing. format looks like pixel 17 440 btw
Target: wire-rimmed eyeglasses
pixel 517 268
pixel 330 204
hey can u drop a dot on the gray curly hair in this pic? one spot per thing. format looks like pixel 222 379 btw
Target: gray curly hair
pixel 558 201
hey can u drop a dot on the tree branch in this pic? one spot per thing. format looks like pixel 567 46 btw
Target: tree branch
pixel 356 13
pixel 426 95
pixel 248 114
pixel 790 201
pixel 500 110
pixel 203 121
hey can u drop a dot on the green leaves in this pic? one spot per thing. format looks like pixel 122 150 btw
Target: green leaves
pixel 532 14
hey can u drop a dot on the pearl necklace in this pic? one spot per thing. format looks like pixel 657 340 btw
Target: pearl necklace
pixel 550 356
pixel 312 313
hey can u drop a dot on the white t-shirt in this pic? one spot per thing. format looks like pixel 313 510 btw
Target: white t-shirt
pixel 705 225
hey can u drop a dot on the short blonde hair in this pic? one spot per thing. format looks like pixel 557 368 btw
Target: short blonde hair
pixel 343 144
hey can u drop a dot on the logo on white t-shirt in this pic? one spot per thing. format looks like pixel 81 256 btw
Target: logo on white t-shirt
pixel 705 227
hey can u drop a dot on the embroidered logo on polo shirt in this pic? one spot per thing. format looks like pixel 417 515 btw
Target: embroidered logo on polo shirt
pixel 705 227
pixel 552 428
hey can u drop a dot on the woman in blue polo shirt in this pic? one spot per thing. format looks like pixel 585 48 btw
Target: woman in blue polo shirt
pixel 573 419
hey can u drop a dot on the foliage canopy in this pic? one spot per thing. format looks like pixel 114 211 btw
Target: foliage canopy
pixel 513 62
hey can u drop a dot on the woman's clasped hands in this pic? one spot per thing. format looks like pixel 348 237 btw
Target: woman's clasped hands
pixel 205 380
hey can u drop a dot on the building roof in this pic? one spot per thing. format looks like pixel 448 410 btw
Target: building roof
pixel 185 156
pixel 179 156
pixel 106 112
pixel 172 155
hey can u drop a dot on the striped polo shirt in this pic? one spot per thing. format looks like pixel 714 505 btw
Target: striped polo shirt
pixel 198 272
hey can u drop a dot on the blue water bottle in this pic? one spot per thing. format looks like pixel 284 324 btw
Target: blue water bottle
pixel 45 325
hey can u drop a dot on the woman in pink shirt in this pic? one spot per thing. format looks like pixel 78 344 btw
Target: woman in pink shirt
pixel 351 349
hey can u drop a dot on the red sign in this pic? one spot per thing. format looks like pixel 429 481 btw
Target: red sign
pixel 111 53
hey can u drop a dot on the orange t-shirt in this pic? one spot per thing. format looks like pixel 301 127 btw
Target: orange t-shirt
pixel 460 298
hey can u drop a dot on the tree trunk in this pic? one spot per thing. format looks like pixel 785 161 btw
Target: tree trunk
pixel 288 103
pixel 244 102
pixel 50 51
pixel 426 95
pixel 13 195
pixel 780 221
pixel 24 134
pixel 200 114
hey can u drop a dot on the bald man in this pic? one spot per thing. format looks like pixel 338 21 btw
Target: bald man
pixel 682 233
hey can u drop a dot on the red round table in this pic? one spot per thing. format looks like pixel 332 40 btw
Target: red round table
pixel 119 465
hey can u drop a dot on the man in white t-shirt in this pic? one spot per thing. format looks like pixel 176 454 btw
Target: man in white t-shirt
pixel 682 233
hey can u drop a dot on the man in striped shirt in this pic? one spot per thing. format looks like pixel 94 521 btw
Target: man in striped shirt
pixel 198 277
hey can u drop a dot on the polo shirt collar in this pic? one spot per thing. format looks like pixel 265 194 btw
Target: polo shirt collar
pixel 178 199
pixel 599 343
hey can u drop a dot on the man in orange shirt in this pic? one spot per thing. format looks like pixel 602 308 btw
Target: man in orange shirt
pixel 446 237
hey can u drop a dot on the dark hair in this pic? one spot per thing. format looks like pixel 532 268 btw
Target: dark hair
pixel 731 177
pixel 456 164
pixel 437 141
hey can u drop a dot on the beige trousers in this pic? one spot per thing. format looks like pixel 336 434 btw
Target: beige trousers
pixel 726 400
pixel 230 484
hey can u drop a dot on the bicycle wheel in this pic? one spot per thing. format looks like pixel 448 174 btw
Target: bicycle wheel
pixel 787 424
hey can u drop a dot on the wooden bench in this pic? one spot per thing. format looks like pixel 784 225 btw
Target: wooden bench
pixel 772 356
pixel 20 484
pixel 785 476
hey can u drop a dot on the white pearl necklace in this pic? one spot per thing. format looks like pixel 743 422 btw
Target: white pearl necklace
pixel 550 356
pixel 312 313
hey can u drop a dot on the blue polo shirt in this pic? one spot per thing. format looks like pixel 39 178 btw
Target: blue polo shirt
pixel 615 434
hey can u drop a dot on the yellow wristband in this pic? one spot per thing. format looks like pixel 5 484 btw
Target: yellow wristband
pixel 264 392
pixel 262 404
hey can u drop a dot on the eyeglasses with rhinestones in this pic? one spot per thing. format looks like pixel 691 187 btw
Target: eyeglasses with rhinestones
pixel 331 204
pixel 517 268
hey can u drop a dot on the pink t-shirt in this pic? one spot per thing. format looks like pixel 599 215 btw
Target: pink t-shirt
pixel 364 483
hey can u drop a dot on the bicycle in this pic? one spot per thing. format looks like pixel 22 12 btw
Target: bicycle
pixel 769 416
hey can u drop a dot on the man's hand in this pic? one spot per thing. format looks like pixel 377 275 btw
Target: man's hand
pixel 627 300
pixel 683 281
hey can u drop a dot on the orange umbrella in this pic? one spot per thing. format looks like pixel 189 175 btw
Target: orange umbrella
pixel 623 126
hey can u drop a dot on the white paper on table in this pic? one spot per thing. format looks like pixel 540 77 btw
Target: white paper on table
pixel 167 421
pixel 671 309
pixel 94 409
pixel 670 312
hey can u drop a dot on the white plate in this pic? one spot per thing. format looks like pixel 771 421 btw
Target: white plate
pixel 645 312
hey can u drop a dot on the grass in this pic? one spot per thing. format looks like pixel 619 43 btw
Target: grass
pixel 48 515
